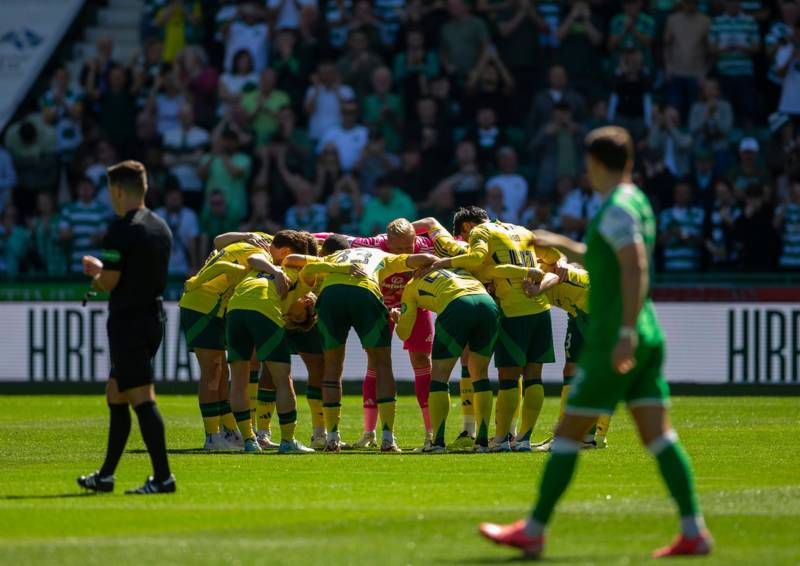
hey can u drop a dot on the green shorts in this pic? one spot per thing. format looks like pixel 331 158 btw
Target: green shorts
pixel 300 342
pixel 597 388
pixel 247 331
pixel 573 341
pixel 204 331
pixel 342 307
pixel 471 320
pixel 525 340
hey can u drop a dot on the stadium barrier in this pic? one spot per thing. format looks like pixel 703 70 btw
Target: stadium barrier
pixel 749 343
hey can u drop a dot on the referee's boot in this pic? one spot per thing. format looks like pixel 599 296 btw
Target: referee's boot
pixel 153 487
pixel 97 483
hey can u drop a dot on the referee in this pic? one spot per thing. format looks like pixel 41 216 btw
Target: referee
pixel 136 252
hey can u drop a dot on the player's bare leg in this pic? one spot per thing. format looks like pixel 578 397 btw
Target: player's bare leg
pixel 369 396
pixel 662 441
pixel 265 406
pixel 332 396
pixel 381 359
pixel 315 365
pixel 286 403
pixel 422 366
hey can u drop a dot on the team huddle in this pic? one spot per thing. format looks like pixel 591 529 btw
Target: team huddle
pixel 260 298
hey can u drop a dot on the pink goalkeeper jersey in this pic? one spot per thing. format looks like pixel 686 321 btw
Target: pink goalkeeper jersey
pixel 392 287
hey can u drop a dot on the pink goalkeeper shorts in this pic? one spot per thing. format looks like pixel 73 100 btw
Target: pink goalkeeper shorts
pixel 421 339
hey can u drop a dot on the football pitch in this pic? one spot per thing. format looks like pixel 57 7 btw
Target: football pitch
pixel 367 508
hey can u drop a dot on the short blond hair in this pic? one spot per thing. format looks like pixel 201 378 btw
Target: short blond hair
pixel 400 227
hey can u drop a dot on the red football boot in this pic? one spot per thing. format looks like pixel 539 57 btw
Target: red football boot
pixel 513 535
pixel 686 546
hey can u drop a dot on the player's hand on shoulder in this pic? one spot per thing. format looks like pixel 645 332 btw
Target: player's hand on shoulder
pixel 394 314
pixel 282 284
pixel 562 270
pixel 92 266
pixel 258 241
pixel 356 270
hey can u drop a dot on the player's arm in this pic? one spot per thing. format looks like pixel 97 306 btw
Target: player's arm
pixel 216 269
pixel 252 238
pixel 624 234
pixel 262 263
pixel 572 249
pixel 444 244
pixel 426 225
pixel 475 256
pixel 508 271
pixel 533 288
pixel 407 316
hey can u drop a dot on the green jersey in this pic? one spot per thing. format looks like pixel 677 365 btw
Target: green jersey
pixel 624 218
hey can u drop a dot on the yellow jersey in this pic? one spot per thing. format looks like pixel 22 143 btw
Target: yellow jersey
pixel 498 243
pixel 376 264
pixel 257 292
pixel 572 295
pixel 215 290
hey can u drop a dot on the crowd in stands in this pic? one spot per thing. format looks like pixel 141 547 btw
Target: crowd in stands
pixel 341 115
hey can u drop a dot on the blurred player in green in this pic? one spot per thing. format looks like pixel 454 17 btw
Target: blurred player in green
pixel 623 355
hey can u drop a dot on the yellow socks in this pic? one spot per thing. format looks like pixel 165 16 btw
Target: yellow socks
pixel 252 393
pixel 564 395
pixel 332 412
pixel 265 406
pixel 601 430
pixel 226 416
pixel 467 407
pixel 505 406
pixel 288 422
pixel 438 408
pixel 482 400
pixel 387 409
pixel 532 401
pixel 314 398
pixel 244 424
pixel 210 414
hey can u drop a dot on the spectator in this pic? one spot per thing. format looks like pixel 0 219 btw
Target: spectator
pixel 462 40
pixel 754 236
pixel 783 157
pixel 518 26
pixel 703 176
pixel 734 41
pixel 410 178
pixel 349 139
pixel 781 32
pixel 62 108
pixel 667 143
pixel 578 207
pixel 48 249
pixel 306 214
pixel 104 156
pixel 291 14
pixel 185 228
pixel 685 54
pixel 718 229
pixel 201 81
pixel 247 31
pixel 14 243
pixel 241 80
pixel 8 178
pixel 375 162
pixel 557 91
pixel 631 101
pixel 384 109
pixel 495 204
pixel 165 100
pixel 299 147
pixel 184 147
pixel 262 106
pixel 388 14
pixel 557 147
pixel 513 185
pixel 159 178
pixel 114 104
pixel 466 184
pixel 388 203
pixel 680 231
pixel 787 68
pixel 345 206
pixel 486 136
pixel 749 172
pixel 227 171
pixel 145 135
pixel 364 21
pixel 95 71
pixel 710 122
pixel 290 69
pixel 489 84
pixel 580 36
pixel 324 100
pixel 337 18
pixel 631 29
pixel 32 146
pixel 214 220
pixel 415 67
pixel 358 63
pixel 448 104
pixel 538 215
pixel 261 216
pixel 787 223
pixel 235 120
pixel 83 224
pixel 181 21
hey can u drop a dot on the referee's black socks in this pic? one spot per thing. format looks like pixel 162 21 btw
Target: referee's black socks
pixel 119 426
pixel 152 427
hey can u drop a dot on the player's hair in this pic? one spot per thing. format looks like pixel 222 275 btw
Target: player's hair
pixel 465 214
pixel 130 176
pixel 291 239
pixel 312 247
pixel 311 316
pixel 334 243
pixel 612 146
pixel 400 227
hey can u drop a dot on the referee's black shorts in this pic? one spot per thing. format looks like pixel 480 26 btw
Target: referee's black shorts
pixel 133 340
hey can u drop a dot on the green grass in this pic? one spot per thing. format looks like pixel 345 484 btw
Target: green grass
pixel 360 508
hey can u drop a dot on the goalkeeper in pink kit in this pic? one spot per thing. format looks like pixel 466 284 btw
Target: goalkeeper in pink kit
pixel 400 238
